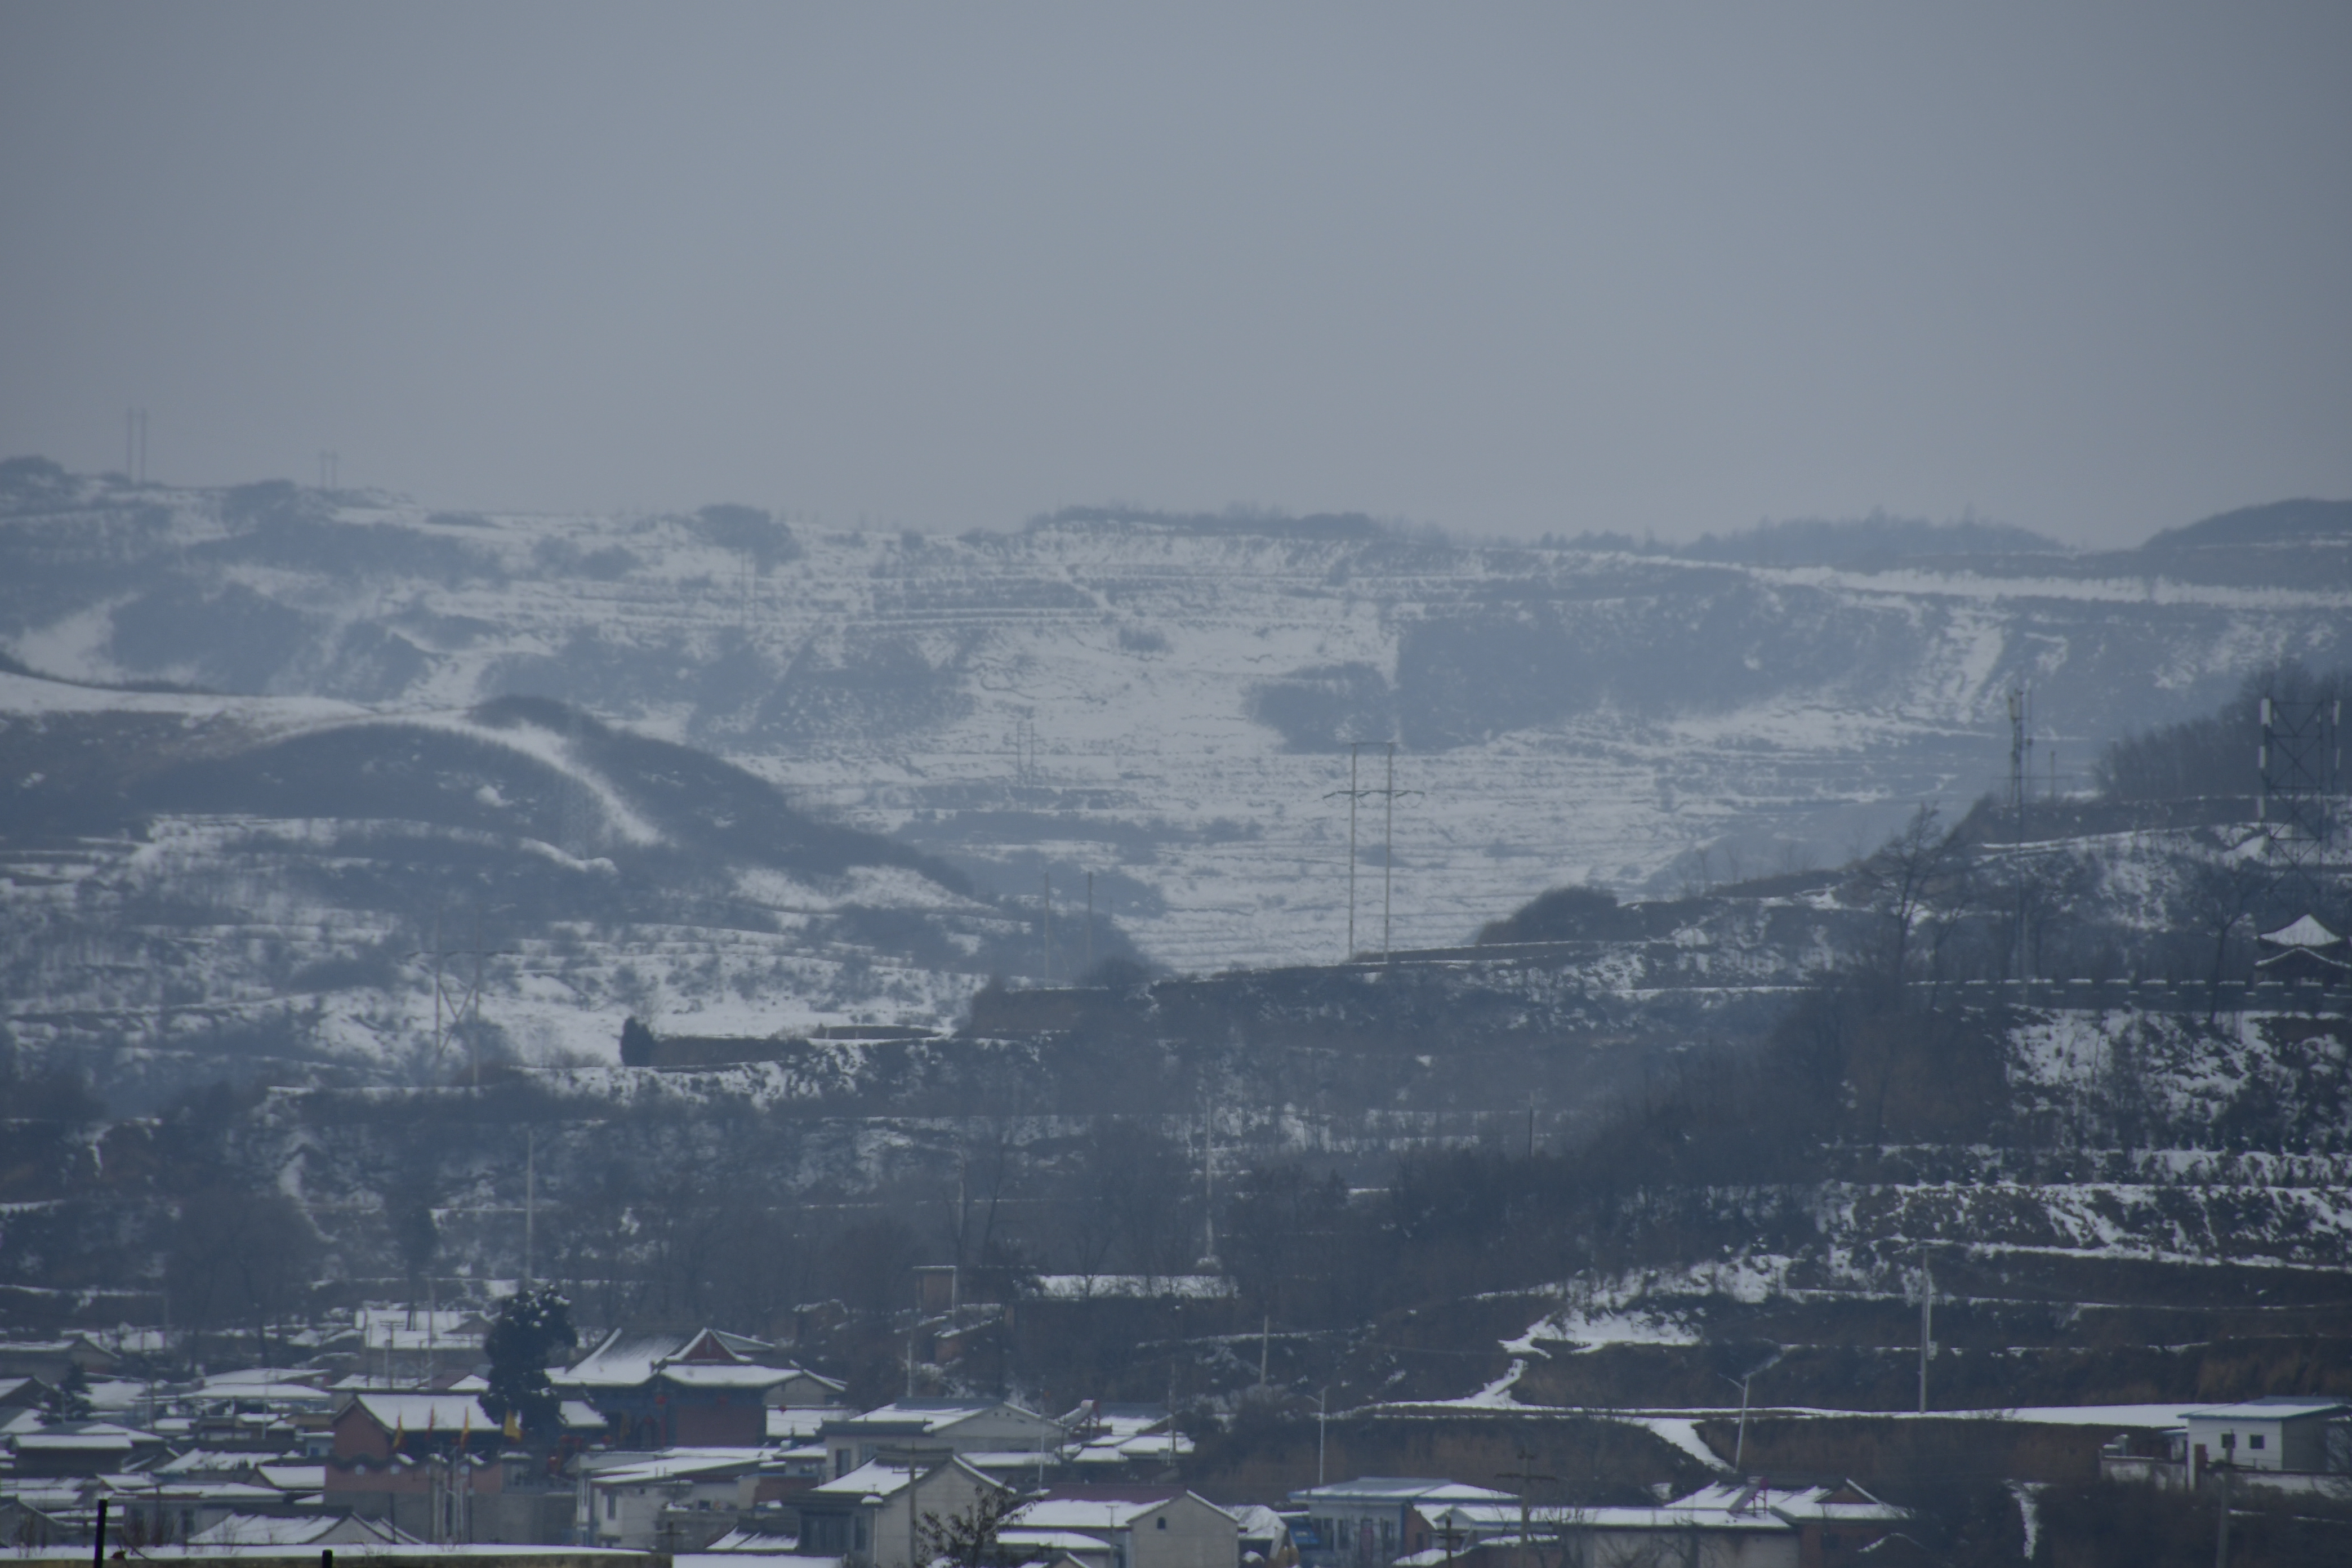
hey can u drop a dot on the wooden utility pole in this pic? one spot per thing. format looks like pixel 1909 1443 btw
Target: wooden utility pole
pixel 1529 1478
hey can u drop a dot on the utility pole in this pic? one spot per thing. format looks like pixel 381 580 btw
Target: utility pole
pixel 529 1204
pixel 1739 1446
pixel 1388 853
pixel 1208 1264
pixel 1091 923
pixel 1355 749
pixel 1322 1430
pixel 1045 920
pixel 2021 745
pixel 1527 1475
pixel 2221 1527
pixel 1927 1327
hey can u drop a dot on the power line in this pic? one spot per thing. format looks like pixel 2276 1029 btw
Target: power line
pixel 465 1013
pixel 1387 794
pixel 2301 762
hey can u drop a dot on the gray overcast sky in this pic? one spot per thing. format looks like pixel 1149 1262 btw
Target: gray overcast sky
pixel 1509 269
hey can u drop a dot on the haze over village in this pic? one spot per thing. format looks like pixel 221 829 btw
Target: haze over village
pixel 1359 787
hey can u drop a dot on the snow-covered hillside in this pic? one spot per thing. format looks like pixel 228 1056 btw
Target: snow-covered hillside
pixel 1162 703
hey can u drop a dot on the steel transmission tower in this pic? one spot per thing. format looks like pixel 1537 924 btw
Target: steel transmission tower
pixel 2302 767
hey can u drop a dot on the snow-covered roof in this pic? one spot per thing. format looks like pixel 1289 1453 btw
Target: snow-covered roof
pixel 262 1376
pixel 2269 1407
pixel 1077 1543
pixel 1097 1287
pixel 1115 1418
pixel 1014 1460
pixel 1503 1514
pixel 1673 1516
pixel 927 1415
pixel 1142 1446
pixel 293 1478
pixel 207 1461
pixel 881 1479
pixel 2304 932
pixel 190 1489
pixel 258 1530
pixel 724 1374
pixel 873 1478
pixel 1096 1508
pixel 624 1358
pixel 91 1437
pixel 450 1412
pixel 1398 1488
pixel 801 1421
pixel 754 1543
pixel 1257 1521
pixel 676 1464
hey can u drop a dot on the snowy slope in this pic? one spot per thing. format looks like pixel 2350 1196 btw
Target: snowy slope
pixel 1163 704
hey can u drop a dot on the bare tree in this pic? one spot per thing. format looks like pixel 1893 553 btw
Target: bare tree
pixel 968 1538
pixel 241 1257
pixel 1908 875
pixel 2220 895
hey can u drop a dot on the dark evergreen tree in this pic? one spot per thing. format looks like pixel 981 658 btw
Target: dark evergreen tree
pixel 532 1327
pixel 70 1400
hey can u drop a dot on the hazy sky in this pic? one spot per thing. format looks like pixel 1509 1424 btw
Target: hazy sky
pixel 1505 269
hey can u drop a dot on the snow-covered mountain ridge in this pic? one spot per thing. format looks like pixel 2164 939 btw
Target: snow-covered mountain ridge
pixel 1162 703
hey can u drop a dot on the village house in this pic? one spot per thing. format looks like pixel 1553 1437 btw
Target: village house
pixel 1373 1520
pixel 704 1389
pixel 874 1512
pixel 2273 1434
pixel 437 1466
pixel 931 1428
pixel 51 1360
pixel 1106 1441
pixel 1732 1524
pixel 81 1448
pixel 1125 1527
pixel 673 1501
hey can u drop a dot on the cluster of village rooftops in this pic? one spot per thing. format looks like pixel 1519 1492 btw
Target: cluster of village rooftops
pixel 719 1444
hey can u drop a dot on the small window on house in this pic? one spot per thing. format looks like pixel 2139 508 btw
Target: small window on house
pixel 1163 1524
pixel 612 1505
pixel 2254 1441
